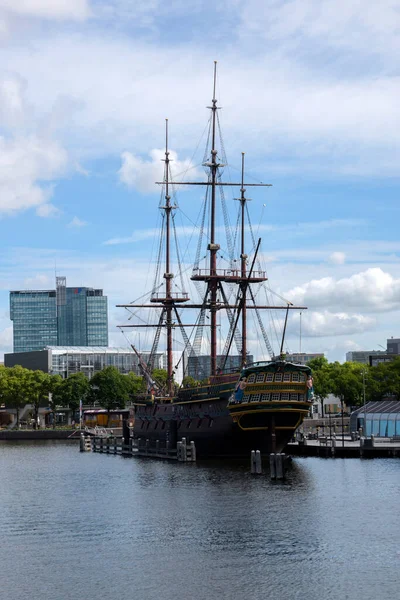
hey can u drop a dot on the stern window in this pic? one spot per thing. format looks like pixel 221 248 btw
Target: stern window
pixel 295 376
pixel 260 377
pixel 251 378
pixel 270 377
pixel 286 377
pixel 278 376
pixel 275 397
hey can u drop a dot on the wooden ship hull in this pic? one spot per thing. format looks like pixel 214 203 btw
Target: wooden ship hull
pixel 223 422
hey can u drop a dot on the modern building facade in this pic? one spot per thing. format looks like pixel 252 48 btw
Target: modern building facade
pixel 66 360
pixel 302 358
pixel 362 356
pixel 61 317
pixel 199 367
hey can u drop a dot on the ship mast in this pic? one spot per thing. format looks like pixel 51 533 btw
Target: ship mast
pixel 168 275
pixel 213 247
pixel 213 277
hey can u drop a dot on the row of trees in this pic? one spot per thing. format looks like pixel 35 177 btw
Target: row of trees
pixel 108 388
pixel 346 381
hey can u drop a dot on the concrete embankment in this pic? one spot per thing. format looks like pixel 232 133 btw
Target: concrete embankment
pixel 39 434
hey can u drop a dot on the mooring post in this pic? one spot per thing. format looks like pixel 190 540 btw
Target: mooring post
pixel 193 450
pixel 258 463
pixel 157 446
pixel 279 465
pixel 179 451
pixel 253 462
pixel 101 444
pixel 184 450
pixel 272 465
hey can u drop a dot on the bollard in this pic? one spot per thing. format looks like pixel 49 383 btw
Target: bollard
pixel 272 465
pixel 179 451
pixel 279 465
pixel 157 446
pixel 193 449
pixel 258 463
pixel 253 462
pixel 101 445
pixel 184 450
pixel 82 443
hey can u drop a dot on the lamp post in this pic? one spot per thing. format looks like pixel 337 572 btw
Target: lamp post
pixel 342 406
pixel 365 407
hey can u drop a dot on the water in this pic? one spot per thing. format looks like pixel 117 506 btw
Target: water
pixel 77 526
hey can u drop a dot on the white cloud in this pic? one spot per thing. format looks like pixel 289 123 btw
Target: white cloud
pixel 77 223
pixel 39 281
pixel 142 175
pixel 337 258
pixel 322 324
pixel 372 290
pixel 28 165
pixel 321 122
pixel 47 9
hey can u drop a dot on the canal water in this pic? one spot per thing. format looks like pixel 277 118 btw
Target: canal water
pixel 76 526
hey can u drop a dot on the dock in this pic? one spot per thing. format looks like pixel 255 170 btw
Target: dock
pixel 333 447
pixel 138 448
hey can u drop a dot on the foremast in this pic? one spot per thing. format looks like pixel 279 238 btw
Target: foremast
pixel 169 300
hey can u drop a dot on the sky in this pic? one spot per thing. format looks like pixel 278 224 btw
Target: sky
pixel 309 90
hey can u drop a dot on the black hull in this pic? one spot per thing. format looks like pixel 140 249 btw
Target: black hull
pixel 211 426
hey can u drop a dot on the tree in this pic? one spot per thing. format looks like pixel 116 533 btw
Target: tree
pixel 189 381
pixel 160 376
pixel 322 379
pixel 135 384
pixel 38 384
pixel 14 387
pixel 53 383
pixel 72 390
pixel 346 383
pixel 108 387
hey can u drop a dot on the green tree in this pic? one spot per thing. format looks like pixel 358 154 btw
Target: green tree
pixel 53 383
pixel 322 379
pixel 38 384
pixel 135 384
pixel 14 387
pixel 160 376
pixel 189 381
pixel 346 383
pixel 72 390
pixel 109 388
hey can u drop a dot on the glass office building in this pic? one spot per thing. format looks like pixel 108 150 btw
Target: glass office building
pixel 66 360
pixel 34 317
pixel 62 317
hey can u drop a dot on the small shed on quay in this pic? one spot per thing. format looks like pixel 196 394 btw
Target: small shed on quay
pixel 382 418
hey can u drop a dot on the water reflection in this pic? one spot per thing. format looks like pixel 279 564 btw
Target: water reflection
pixel 74 521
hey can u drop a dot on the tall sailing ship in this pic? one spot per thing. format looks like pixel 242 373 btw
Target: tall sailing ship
pixel 229 412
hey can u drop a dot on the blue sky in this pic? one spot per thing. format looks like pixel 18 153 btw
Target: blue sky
pixel 309 91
